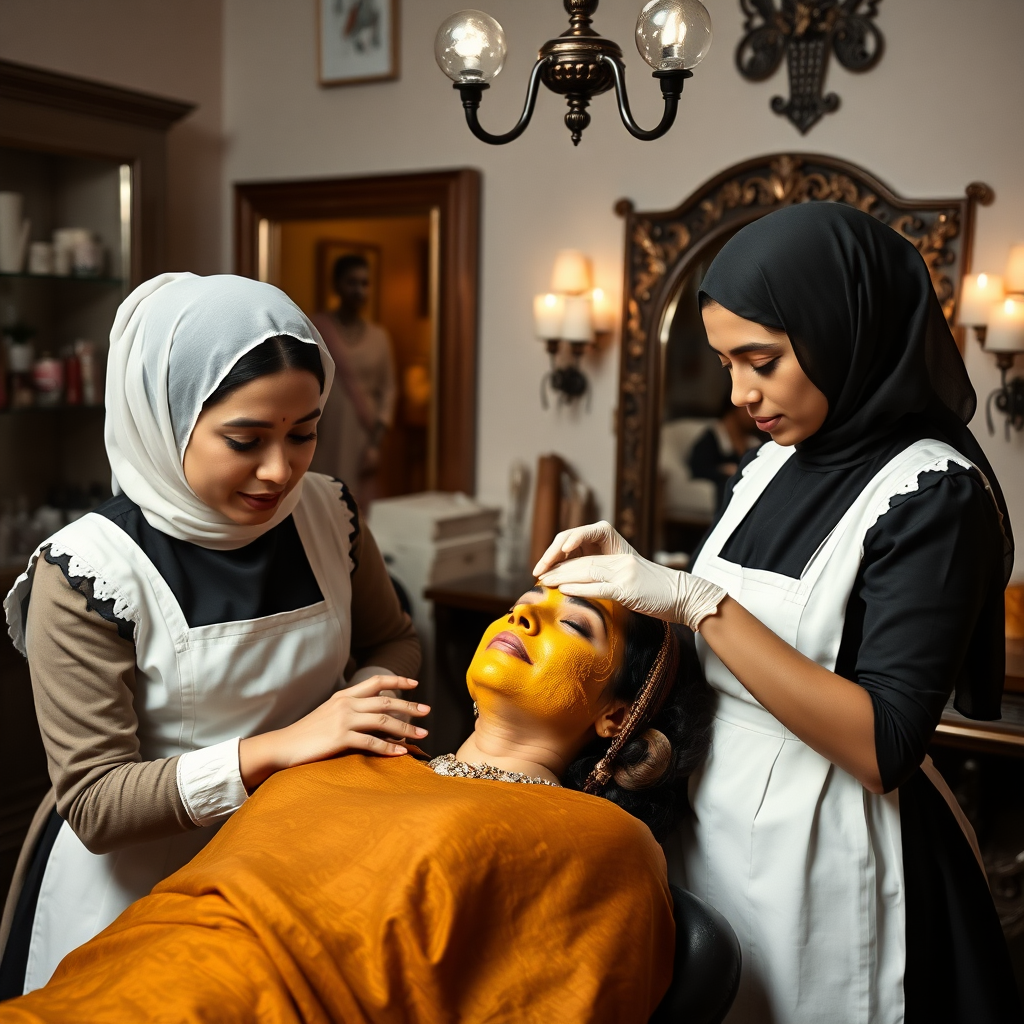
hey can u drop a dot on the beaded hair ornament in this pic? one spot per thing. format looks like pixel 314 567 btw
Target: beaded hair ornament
pixel 647 704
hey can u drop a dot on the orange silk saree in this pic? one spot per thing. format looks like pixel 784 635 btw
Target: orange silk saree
pixel 372 890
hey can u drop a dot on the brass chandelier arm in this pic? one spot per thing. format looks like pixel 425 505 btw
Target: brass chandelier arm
pixel 472 93
pixel 671 89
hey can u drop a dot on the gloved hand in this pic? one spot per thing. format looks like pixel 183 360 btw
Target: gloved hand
pixel 596 539
pixel 634 582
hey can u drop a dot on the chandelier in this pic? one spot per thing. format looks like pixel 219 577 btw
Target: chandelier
pixel 673 36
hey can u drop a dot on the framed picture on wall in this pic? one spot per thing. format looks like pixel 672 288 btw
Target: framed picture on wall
pixel 357 40
pixel 328 252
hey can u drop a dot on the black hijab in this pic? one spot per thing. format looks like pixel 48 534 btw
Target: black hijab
pixel 857 302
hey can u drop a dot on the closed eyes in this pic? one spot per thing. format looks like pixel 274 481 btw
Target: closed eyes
pixel 247 446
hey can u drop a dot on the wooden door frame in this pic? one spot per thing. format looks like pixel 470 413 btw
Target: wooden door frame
pixel 455 194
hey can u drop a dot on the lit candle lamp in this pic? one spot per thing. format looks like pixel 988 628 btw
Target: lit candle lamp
pixel 1015 270
pixel 572 274
pixel 977 296
pixel 602 308
pixel 578 324
pixel 548 316
pixel 1006 327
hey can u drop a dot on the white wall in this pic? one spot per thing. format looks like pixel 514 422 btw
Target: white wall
pixel 942 109
pixel 171 49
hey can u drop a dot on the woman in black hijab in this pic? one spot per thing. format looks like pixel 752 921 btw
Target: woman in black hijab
pixel 853 580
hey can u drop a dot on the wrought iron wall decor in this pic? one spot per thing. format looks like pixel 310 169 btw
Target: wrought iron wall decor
pixel 805 31
pixel 662 246
pixel 672 36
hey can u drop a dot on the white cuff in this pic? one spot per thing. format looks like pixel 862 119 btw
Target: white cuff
pixel 361 675
pixel 210 783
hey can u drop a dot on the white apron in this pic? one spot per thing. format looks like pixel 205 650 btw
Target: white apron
pixel 195 688
pixel 805 863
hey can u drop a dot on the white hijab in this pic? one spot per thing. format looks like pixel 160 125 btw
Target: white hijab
pixel 175 338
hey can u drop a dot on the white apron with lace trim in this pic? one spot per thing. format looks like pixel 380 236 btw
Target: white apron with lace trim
pixel 195 688
pixel 805 863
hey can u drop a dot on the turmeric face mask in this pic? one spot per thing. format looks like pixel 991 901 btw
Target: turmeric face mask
pixel 551 658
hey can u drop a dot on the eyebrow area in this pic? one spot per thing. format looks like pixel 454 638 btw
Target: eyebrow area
pixel 266 424
pixel 581 601
pixel 596 608
pixel 753 346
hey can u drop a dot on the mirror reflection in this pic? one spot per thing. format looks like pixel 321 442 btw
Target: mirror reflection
pixel 702 435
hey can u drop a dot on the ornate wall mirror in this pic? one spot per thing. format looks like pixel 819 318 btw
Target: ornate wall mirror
pixel 418 235
pixel 671 387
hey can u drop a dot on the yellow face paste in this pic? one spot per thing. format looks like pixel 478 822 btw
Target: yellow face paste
pixel 573 653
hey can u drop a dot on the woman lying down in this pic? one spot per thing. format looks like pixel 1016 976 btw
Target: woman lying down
pixel 489 885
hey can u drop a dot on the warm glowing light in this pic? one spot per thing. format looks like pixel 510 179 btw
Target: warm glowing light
pixel 469 43
pixel 548 316
pixel 602 308
pixel 572 274
pixel 977 296
pixel 673 31
pixel 1006 327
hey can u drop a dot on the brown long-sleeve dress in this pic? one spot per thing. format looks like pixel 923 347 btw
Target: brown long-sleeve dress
pixel 82 662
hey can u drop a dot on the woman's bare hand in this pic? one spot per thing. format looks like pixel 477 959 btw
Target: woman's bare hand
pixel 361 717
pixel 596 539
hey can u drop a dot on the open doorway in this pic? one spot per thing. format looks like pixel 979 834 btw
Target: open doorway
pixel 371 285
pixel 419 237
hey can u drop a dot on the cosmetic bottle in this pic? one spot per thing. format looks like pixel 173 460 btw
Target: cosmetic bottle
pixel 48 380
pixel 72 378
pixel 20 356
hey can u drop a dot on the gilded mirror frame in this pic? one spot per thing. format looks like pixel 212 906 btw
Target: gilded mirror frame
pixel 662 245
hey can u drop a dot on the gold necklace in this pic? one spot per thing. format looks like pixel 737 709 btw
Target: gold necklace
pixel 449 764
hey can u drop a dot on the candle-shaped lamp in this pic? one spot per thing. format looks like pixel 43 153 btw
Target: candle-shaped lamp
pixel 572 273
pixel 548 315
pixel 1006 327
pixel 578 325
pixel 1015 270
pixel 602 309
pixel 977 296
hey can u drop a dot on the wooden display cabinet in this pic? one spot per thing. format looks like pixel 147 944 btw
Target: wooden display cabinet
pixel 92 156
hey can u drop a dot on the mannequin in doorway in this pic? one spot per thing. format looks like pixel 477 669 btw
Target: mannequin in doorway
pixel 360 410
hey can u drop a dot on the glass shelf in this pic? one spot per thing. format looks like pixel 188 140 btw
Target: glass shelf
pixel 50 409
pixel 77 278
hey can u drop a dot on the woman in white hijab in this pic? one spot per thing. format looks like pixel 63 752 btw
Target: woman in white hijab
pixel 193 635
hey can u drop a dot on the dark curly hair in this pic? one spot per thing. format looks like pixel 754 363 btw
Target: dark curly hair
pixel 684 720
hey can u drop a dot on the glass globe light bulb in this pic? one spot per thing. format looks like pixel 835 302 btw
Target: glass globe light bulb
pixel 470 47
pixel 673 34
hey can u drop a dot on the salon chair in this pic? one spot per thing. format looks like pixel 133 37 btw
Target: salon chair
pixel 706 971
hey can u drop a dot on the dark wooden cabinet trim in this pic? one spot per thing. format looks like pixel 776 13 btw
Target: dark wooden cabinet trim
pixel 83 96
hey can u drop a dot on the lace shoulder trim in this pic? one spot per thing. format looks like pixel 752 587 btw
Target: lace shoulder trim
pixel 913 483
pixel 103 590
pixel 104 607
pixel 346 498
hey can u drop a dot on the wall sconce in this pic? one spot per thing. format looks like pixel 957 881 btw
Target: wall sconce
pixel 994 307
pixel 671 35
pixel 573 312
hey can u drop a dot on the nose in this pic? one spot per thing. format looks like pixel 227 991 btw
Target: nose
pixel 275 467
pixel 744 393
pixel 525 616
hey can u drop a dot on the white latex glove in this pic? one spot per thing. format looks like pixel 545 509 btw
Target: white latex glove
pixel 596 539
pixel 639 585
